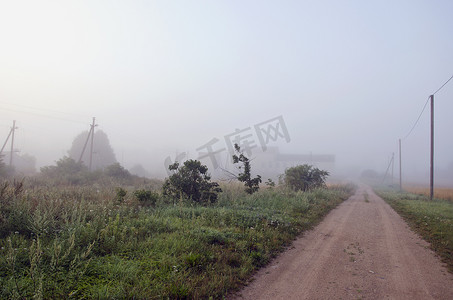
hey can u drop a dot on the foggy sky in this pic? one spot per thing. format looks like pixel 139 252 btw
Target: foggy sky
pixel 162 77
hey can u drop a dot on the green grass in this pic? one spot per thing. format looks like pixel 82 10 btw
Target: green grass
pixel 366 198
pixel 84 243
pixel 433 220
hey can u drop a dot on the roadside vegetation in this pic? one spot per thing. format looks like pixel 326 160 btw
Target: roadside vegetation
pixel 433 220
pixel 72 233
pixel 85 242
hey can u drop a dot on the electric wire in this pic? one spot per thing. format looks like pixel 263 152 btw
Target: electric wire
pixel 424 107
pixel 416 122
pixel 41 115
pixel 45 110
pixel 443 85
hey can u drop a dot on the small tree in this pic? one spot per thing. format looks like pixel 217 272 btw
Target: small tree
pixel 191 181
pixel 251 184
pixel 305 177
pixel 270 183
pixel 105 155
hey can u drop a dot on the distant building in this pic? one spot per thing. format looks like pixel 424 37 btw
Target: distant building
pixel 271 163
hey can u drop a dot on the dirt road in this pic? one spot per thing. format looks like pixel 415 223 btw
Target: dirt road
pixel 361 250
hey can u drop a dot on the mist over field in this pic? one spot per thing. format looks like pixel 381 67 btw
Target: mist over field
pixel 332 83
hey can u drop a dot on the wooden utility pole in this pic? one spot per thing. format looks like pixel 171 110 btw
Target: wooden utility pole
pixel 7 138
pixel 431 173
pixel 401 185
pixel 393 163
pixel 387 171
pixel 85 145
pixel 13 129
pixel 11 134
pixel 92 142
pixel 90 135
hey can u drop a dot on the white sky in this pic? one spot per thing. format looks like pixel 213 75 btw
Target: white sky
pixel 349 77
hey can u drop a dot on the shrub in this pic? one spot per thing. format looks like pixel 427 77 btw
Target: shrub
pixel 67 171
pixel 120 194
pixel 305 177
pixel 191 181
pixel 146 197
pixel 117 171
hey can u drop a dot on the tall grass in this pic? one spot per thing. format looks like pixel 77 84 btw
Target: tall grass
pixel 84 243
pixel 433 220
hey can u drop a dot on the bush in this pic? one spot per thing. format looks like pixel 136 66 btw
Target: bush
pixel 305 177
pixel 120 194
pixel 191 181
pixel 117 171
pixel 67 171
pixel 146 197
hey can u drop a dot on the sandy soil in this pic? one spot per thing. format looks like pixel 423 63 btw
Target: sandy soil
pixel 361 250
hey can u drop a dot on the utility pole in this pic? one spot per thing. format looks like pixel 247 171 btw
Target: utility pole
pixel 12 143
pixel 387 171
pixel 401 185
pixel 84 146
pixel 7 138
pixel 90 134
pixel 11 133
pixel 393 160
pixel 92 141
pixel 431 175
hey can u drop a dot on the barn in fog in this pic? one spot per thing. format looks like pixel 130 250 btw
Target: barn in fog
pixel 271 163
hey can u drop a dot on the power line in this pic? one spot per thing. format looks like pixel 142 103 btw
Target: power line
pixel 424 107
pixel 44 109
pixel 443 85
pixel 416 122
pixel 41 115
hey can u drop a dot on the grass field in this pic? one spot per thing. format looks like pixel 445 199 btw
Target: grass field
pixel 433 220
pixel 85 242
pixel 439 192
